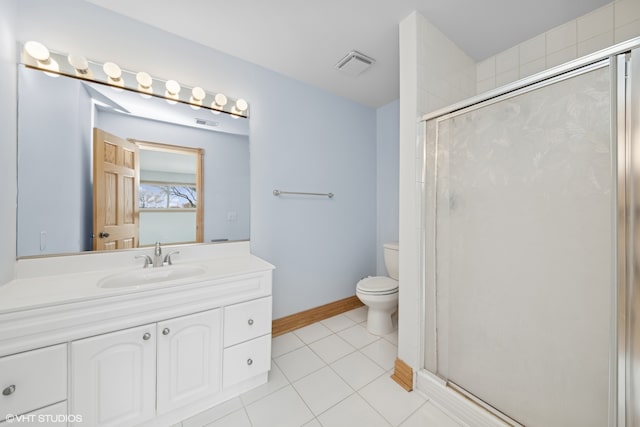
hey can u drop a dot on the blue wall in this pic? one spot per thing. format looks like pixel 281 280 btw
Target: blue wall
pixel 302 139
pixel 61 110
pixel 387 179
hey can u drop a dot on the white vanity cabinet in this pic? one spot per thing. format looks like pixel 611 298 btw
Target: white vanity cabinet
pixel 127 377
pixel 148 356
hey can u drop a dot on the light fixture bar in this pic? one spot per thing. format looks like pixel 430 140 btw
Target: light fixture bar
pixel 36 55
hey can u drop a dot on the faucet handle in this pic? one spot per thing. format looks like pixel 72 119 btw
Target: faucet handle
pixel 167 257
pixel 147 260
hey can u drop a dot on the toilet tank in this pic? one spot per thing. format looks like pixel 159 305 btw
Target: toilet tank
pixel 391 259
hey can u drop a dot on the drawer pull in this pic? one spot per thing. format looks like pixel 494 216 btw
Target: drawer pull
pixel 249 362
pixel 250 322
pixel 166 331
pixel 12 388
pixel 146 336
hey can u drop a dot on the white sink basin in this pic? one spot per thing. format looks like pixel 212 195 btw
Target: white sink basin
pixel 150 275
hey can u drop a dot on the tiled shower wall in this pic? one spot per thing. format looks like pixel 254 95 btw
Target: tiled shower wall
pixel 614 23
pixel 446 74
pixel 434 73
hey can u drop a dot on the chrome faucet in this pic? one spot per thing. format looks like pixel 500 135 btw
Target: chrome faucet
pixel 157 256
pixel 157 260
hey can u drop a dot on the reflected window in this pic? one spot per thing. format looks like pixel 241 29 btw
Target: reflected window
pixel 154 195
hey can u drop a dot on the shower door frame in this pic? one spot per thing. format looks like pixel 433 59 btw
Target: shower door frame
pixel 625 129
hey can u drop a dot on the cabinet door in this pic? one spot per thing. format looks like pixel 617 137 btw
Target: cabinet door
pixel 189 359
pixel 113 377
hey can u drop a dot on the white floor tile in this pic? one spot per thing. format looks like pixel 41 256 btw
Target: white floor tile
pixel 235 419
pixel 313 332
pixel 284 408
pixel 322 389
pixel 338 323
pixel 313 423
pixel 382 352
pixel 357 336
pixel 284 344
pixel 298 363
pixel 357 370
pixel 213 414
pixel 331 348
pixel 277 380
pixel 429 415
pixel 357 314
pixel 392 401
pixel 392 337
pixel 351 412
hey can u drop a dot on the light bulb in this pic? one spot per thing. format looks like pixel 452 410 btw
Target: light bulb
pixel 241 105
pixel 40 55
pixel 81 66
pixel 220 100
pixel 114 74
pixel 197 95
pixel 173 91
pixel 145 82
pixel 37 51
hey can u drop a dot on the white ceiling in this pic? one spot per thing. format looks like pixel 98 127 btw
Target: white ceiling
pixel 304 40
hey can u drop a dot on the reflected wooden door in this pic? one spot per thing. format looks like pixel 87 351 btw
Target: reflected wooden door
pixel 116 179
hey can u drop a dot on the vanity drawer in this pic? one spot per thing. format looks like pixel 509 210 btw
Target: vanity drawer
pixel 246 360
pixel 33 380
pixel 246 321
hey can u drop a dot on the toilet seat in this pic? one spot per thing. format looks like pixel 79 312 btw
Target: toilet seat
pixel 378 285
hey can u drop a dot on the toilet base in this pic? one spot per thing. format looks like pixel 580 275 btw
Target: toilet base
pixel 381 307
pixel 379 322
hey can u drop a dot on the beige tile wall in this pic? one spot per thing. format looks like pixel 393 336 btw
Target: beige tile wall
pixel 446 74
pixel 614 23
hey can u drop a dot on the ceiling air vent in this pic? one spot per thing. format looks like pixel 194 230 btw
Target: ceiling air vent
pixel 355 63
pixel 205 122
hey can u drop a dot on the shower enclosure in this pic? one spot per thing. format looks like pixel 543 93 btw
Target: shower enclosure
pixel 531 201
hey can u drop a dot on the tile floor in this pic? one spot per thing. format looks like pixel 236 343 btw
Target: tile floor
pixel 331 374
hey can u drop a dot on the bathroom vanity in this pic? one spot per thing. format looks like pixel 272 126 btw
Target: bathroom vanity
pixel 128 346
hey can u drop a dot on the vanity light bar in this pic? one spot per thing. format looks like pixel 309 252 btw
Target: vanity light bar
pixel 36 55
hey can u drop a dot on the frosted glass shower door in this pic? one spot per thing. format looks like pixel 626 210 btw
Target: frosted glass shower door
pixel 524 237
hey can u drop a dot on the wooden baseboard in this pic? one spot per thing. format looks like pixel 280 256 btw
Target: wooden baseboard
pixel 307 317
pixel 403 375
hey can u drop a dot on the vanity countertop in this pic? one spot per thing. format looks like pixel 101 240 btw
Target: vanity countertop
pixel 56 289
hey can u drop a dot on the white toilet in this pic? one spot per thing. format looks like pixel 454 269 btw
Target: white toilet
pixel 380 294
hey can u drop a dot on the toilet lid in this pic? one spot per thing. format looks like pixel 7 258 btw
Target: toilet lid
pixel 378 285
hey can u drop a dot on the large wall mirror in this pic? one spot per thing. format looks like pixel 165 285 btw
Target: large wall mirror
pixel 174 174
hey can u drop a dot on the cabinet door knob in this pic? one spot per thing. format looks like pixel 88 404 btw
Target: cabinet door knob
pixel 146 336
pixel 9 390
pixel 250 322
pixel 166 331
pixel 249 362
